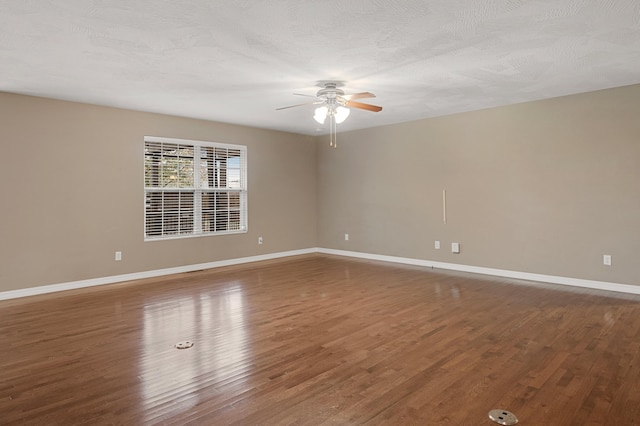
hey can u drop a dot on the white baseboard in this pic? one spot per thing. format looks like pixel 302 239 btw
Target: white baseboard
pixel 34 291
pixel 575 282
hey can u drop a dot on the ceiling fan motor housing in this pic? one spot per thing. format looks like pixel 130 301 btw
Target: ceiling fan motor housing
pixel 330 91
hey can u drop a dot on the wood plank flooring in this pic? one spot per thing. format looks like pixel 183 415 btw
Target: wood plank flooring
pixel 321 340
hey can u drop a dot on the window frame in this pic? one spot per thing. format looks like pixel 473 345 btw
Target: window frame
pixel 197 191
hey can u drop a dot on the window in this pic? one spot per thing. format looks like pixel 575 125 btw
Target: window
pixel 193 188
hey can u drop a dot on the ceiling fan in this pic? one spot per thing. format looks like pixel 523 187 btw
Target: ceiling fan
pixel 335 104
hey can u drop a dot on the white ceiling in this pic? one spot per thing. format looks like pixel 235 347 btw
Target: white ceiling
pixel 236 61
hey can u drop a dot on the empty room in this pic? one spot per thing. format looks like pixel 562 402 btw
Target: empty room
pixel 320 213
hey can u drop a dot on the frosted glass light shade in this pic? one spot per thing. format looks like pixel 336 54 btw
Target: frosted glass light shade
pixel 321 114
pixel 341 114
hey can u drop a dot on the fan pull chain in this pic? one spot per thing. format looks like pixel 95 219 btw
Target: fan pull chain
pixel 332 131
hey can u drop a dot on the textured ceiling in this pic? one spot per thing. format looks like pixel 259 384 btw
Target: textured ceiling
pixel 236 61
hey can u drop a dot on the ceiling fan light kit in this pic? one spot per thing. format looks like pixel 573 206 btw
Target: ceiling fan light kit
pixel 335 105
pixel 339 113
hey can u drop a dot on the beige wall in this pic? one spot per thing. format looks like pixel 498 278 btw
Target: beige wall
pixel 71 185
pixel 545 187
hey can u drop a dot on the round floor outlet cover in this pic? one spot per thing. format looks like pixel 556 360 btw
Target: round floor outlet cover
pixel 503 417
pixel 183 345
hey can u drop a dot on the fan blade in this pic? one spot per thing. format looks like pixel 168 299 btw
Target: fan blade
pixel 359 96
pixel 302 94
pixel 293 106
pixel 360 105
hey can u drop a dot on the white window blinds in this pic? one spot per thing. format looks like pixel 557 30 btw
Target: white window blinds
pixel 194 188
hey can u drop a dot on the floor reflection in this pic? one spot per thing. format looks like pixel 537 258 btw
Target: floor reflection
pixel 174 379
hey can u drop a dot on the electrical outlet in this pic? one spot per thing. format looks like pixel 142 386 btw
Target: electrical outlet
pixel 259 240
pixel 346 237
pixel 118 256
pixel 436 245
pixel 606 259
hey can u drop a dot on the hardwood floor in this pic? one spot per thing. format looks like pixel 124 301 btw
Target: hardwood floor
pixel 321 340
